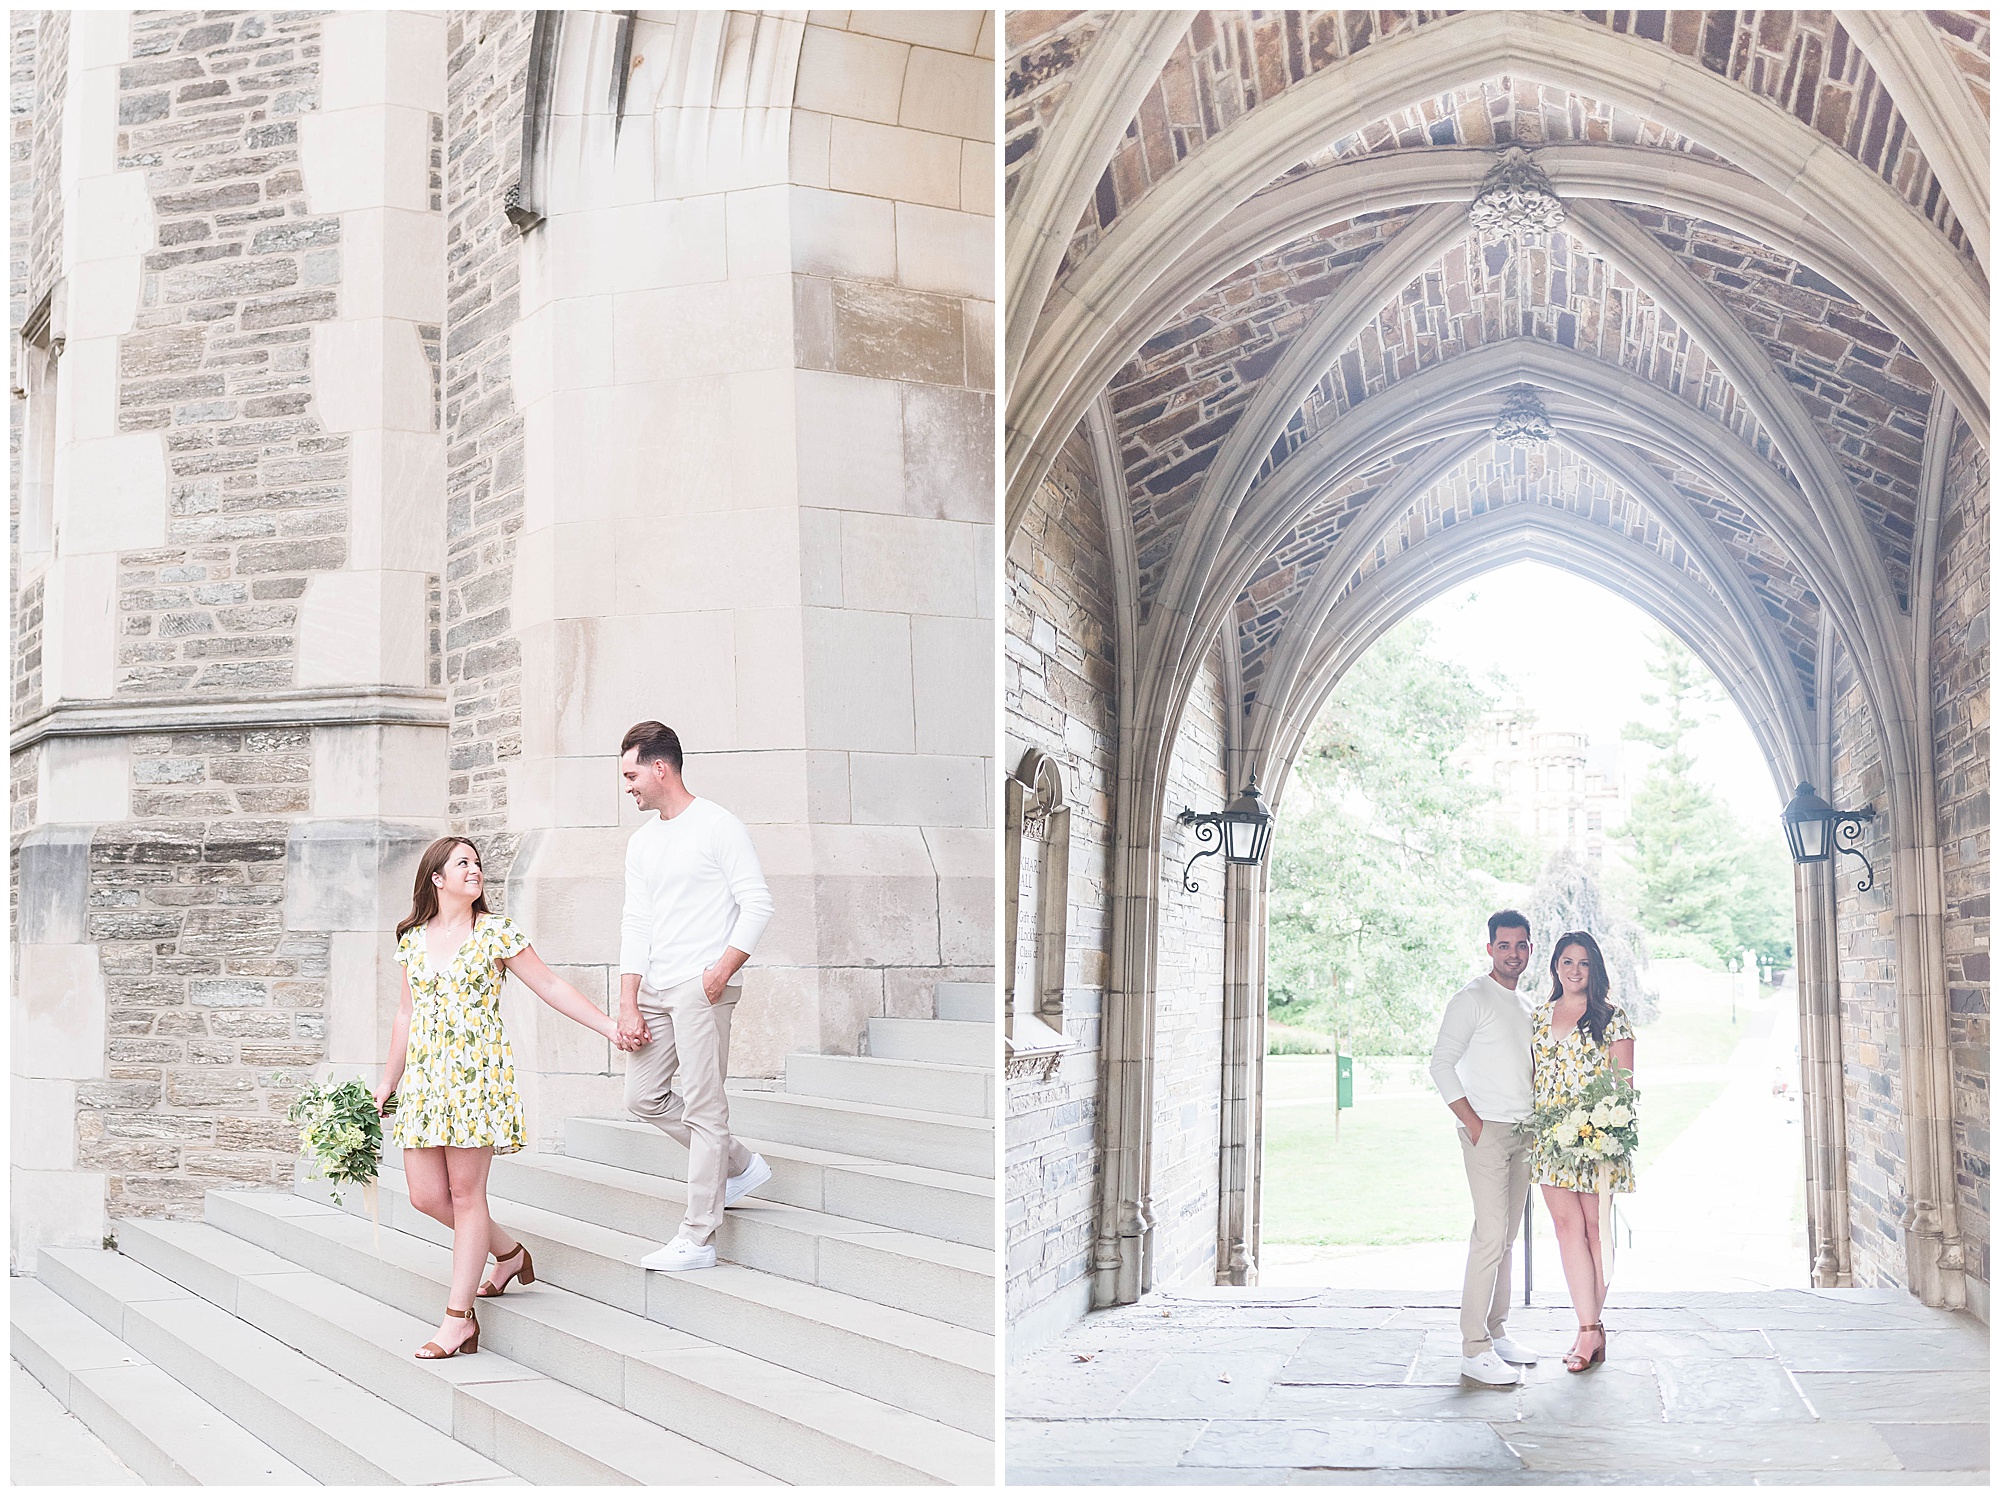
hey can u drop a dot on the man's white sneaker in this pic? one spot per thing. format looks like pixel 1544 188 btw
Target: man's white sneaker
pixel 1513 1352
pixel 755 1175
pixel 1488 1370
pixel 678 1256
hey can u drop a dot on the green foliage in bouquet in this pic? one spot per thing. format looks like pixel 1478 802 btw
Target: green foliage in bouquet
pixel 1600 1124
pixel 340 1132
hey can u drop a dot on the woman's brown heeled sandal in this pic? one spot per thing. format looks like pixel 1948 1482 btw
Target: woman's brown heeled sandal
pixel 430 1350
pixel 487 1290
pixel 1576 1361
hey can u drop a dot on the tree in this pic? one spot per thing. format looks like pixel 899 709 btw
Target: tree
pixel 1566 898
pixel 1702 886
pixel 1382 871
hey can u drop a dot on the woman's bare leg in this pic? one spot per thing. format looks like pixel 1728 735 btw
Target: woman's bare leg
pixel 430 1189
pixel 1569 1211
pixel 424 1171
pixel 471 1235
pixel 1593 1236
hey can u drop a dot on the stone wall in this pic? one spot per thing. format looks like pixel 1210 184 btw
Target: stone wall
pixel 220 361
pixel 1181 395
pixel 1870 1014
pixel 45 218
pixel 298 472
pixel 216 1010
pixel 486 73
pixel 1060 680
pixel 1188 1000
pixel 1961 720
pixel 1043 50
pixel 1231 63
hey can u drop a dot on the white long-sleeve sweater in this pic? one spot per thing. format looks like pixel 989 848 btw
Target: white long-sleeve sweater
pixel 1485 1051
pixel 693 889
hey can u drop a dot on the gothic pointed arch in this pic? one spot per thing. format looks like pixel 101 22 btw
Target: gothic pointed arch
pixel 1721 274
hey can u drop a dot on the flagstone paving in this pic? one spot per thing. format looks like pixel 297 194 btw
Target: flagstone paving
pixel 1349 1386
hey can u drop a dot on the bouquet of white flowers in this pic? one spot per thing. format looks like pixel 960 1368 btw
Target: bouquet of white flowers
pixel 340 1132
pixel 1595 1127
pixel 1590 1132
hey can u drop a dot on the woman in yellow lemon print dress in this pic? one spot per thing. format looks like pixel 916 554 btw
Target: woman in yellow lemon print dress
pixel 452 1071
pixel 1578 1034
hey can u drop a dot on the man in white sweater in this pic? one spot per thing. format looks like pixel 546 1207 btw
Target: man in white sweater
pixel 1484 1068
pixel 695 903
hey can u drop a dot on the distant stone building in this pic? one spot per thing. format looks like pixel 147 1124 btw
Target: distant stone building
pixel 1314 315
pixel 404 404
pixel 1558 792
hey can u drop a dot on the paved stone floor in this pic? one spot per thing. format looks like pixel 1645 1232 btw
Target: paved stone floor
pixel 1347 1386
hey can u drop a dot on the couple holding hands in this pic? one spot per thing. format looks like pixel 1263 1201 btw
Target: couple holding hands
pixel 695 904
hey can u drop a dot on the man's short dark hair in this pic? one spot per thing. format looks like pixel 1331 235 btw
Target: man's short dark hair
pixel 1506 919
pixel 654 740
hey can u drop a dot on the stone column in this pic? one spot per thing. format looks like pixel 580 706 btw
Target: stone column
pixel 754 375
pixel 1242 1078
pixel 1822 1077
pixel 372 160
pixel 109 495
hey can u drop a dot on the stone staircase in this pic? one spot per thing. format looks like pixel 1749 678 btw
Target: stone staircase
pixel 844 1336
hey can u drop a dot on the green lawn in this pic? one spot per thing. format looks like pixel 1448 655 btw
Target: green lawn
pixel 1698 1035
pixel 1395 1176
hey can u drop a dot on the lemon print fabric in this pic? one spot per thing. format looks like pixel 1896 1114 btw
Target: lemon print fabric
pixel 1562 1069
pixel 458 1081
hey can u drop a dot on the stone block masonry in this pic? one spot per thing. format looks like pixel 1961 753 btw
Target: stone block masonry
pixel 215 1011
pixel 219 358
pixel 1187 1032
pixel 271 621
pixel 1871 1045
pixel 1181 395
pixel 1061 697
pixel 1231 64
pixel 1961 707
pixel 487 73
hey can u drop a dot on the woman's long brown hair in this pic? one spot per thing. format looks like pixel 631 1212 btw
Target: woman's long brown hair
pixel 1596 992
pixel 424 897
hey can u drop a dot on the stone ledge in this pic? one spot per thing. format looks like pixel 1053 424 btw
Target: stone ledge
pixel 354 707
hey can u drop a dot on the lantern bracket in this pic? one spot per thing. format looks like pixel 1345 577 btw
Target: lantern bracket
pixel 1208 834
pixel 1847 826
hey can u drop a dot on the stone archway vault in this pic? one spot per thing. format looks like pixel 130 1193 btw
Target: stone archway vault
pixel 1272 354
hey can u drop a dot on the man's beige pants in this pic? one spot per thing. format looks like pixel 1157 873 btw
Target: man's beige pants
pixel 1497 1169
pixel 676 1083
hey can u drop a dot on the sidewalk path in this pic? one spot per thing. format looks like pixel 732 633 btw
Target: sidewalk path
pixel 1714 1211
pixel 1270 1387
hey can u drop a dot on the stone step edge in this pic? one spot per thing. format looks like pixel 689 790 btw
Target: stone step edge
pixel 891 1062
pixel 857 1411
pixel 899 1329
pixel 214 1438
pixel 305 1416
pixel 936 1250
pixel 874 1108
pixel 822 1158
pixel 493 1369
pixel 906 1253
pixel 969 1091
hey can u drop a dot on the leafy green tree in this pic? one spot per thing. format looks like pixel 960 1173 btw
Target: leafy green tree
pixel 1383 871
pixel 1702 886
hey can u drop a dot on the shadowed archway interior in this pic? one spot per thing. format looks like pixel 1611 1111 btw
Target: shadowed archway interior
pixel 1319 313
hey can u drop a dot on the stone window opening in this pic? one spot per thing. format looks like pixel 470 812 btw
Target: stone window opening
pixel 1037 913
pixel 37 360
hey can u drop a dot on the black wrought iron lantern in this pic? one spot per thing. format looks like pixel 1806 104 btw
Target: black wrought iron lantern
pixel 1815 831
pixel 1242 832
